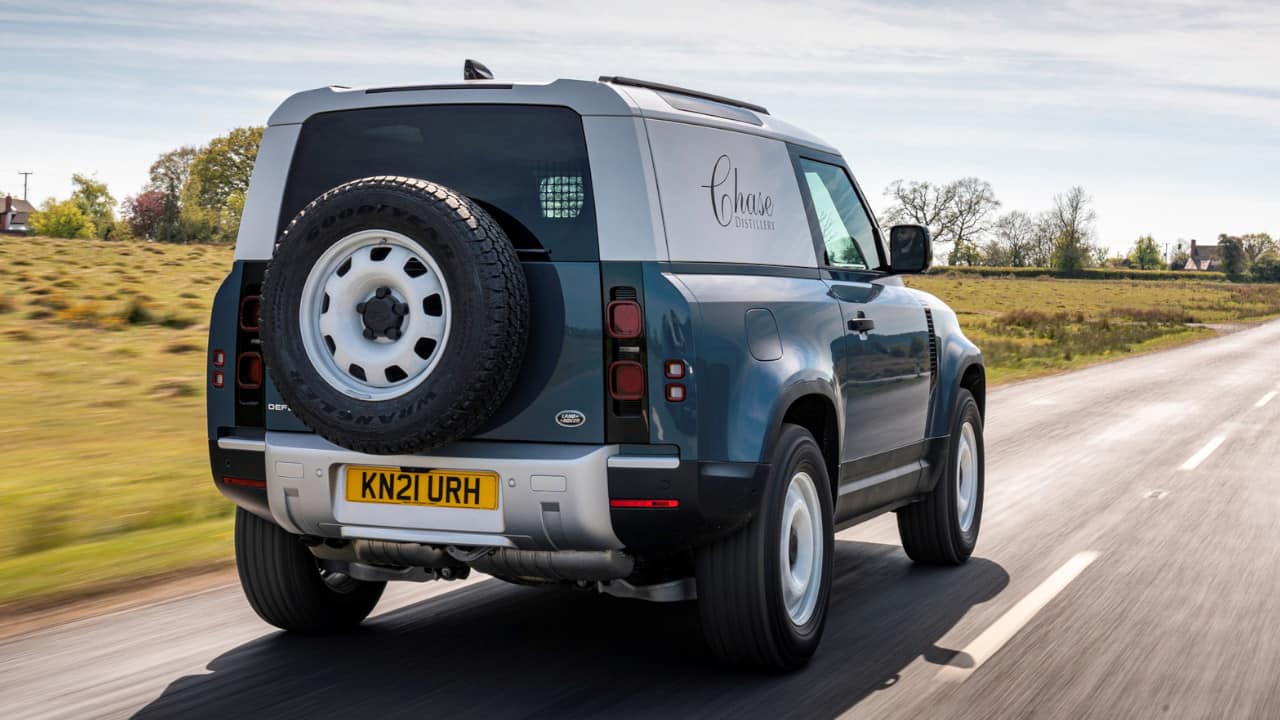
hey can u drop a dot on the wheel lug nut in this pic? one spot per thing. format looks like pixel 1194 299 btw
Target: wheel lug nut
pixel 368 334
pixel 401 309
pixel 394 333
pixel 360 307
pixel 382 292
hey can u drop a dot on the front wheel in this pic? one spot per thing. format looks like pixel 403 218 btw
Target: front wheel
pixel 942 529
pixel 287 587
pixel 763 591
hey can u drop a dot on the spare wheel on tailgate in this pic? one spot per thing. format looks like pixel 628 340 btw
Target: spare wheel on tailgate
pixel 394 315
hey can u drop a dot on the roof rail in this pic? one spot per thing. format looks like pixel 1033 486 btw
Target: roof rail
pixel 620 80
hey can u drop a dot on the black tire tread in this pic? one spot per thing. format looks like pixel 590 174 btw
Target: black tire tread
pixel 926 527
pixel 506 327
pixel 280 579
pixel 740 621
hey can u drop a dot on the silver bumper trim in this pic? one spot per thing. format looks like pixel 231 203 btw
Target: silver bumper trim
pixel 645 462
pixel 310 498
pixel 231 442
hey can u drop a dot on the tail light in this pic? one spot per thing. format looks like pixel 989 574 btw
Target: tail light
pixel 625 319
pixel 624 356
pixel 249 371
pixel 626 380
pixel 656 503
pixel 250 309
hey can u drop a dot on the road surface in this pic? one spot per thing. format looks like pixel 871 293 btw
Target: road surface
pixel 1128 567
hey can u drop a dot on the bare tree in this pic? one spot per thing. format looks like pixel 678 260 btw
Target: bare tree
pixel 1071 219
pixel 1013 241
pixel 957 213
pixel 1255 245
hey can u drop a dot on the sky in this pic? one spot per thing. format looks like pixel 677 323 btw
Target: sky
pixel 1167 113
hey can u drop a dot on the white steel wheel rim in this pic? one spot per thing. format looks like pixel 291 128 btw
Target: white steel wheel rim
pixel 801 548
pixel 966 477
pixel 351 273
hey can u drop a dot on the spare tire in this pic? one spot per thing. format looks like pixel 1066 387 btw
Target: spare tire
pixel 394 315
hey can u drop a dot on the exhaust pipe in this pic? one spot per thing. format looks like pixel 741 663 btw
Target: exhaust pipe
pixel 556 565
pixel 569 565
pixel 402 554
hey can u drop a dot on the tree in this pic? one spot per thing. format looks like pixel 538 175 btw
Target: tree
pixel 169 174
pixel 965 252
pixel 213 196
pixel 1179 260
pixel 1072 220
pixel 958 212
pixel 1231 250
pixel 62 220
pixel 222 168
pixel 144 213
pixel 1255 245
pixel 1145 255
pixel 1266 268
pixel 1013 244
pixel 170 171
pixel 95 202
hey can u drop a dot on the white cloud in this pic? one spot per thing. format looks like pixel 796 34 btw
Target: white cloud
pixel 1177 96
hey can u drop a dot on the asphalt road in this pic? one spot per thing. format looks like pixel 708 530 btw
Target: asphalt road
pixel 1128 567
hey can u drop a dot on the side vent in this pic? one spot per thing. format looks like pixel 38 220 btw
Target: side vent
pixel 933 349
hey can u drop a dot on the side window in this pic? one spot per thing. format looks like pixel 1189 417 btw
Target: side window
pixel 846 228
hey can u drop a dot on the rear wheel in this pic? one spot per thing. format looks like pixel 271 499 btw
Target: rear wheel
pixel 763 591
pixel 287 587
pixel 942 529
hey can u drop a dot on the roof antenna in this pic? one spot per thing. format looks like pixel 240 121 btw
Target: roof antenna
pixel 475 70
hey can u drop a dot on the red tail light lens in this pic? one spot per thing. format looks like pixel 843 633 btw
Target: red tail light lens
pixel 626 380
pixel 249 371
pixel 675 392
pixel 644 503
pixel 625 319
pixel 219 358
pixel 218 379
pixel 250 308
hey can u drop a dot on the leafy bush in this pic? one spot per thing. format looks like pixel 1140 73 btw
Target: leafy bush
pixel 62 220
pixel 1266 269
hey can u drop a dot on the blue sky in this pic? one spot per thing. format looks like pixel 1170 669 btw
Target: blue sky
pixel 1168 113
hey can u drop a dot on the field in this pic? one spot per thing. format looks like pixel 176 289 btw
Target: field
pixel 103 461
pixel 1033 326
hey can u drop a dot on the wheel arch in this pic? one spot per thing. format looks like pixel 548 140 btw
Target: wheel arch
pixel 811 404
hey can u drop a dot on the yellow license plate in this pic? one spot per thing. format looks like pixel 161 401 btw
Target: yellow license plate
pixel 432 488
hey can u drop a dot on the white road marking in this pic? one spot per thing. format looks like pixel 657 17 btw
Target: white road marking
pixel 1266 399
pixel 1194 461
pixel 1002 630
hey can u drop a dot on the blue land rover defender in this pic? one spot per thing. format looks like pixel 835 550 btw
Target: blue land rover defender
pixel 615 334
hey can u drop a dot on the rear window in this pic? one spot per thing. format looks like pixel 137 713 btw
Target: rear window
pixel 526 165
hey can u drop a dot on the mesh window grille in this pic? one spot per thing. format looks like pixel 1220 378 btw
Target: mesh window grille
pixel 561 196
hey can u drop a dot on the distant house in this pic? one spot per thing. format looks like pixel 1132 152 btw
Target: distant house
pixel 14 217
pixel 1204 257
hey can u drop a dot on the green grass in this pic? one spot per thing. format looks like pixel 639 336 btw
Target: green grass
pixel 1034 326
pixel 104 469
pixel 104 473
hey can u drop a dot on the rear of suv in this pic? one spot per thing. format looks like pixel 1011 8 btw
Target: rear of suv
pixel 614 334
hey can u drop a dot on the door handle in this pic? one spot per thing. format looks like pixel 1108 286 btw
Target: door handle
pixel 862 324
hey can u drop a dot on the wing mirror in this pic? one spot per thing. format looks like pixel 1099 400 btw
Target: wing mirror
pixel 910 249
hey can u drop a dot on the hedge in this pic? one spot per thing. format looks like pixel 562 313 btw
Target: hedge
pixel 1086 274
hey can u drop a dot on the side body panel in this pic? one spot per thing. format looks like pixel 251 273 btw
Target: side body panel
pixel 739 396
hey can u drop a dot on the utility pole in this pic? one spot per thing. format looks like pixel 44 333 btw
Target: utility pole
pixel 24 183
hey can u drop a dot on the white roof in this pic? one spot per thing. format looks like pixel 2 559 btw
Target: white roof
pixel 586 97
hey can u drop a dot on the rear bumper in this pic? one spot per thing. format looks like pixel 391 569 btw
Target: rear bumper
pixel 551 496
